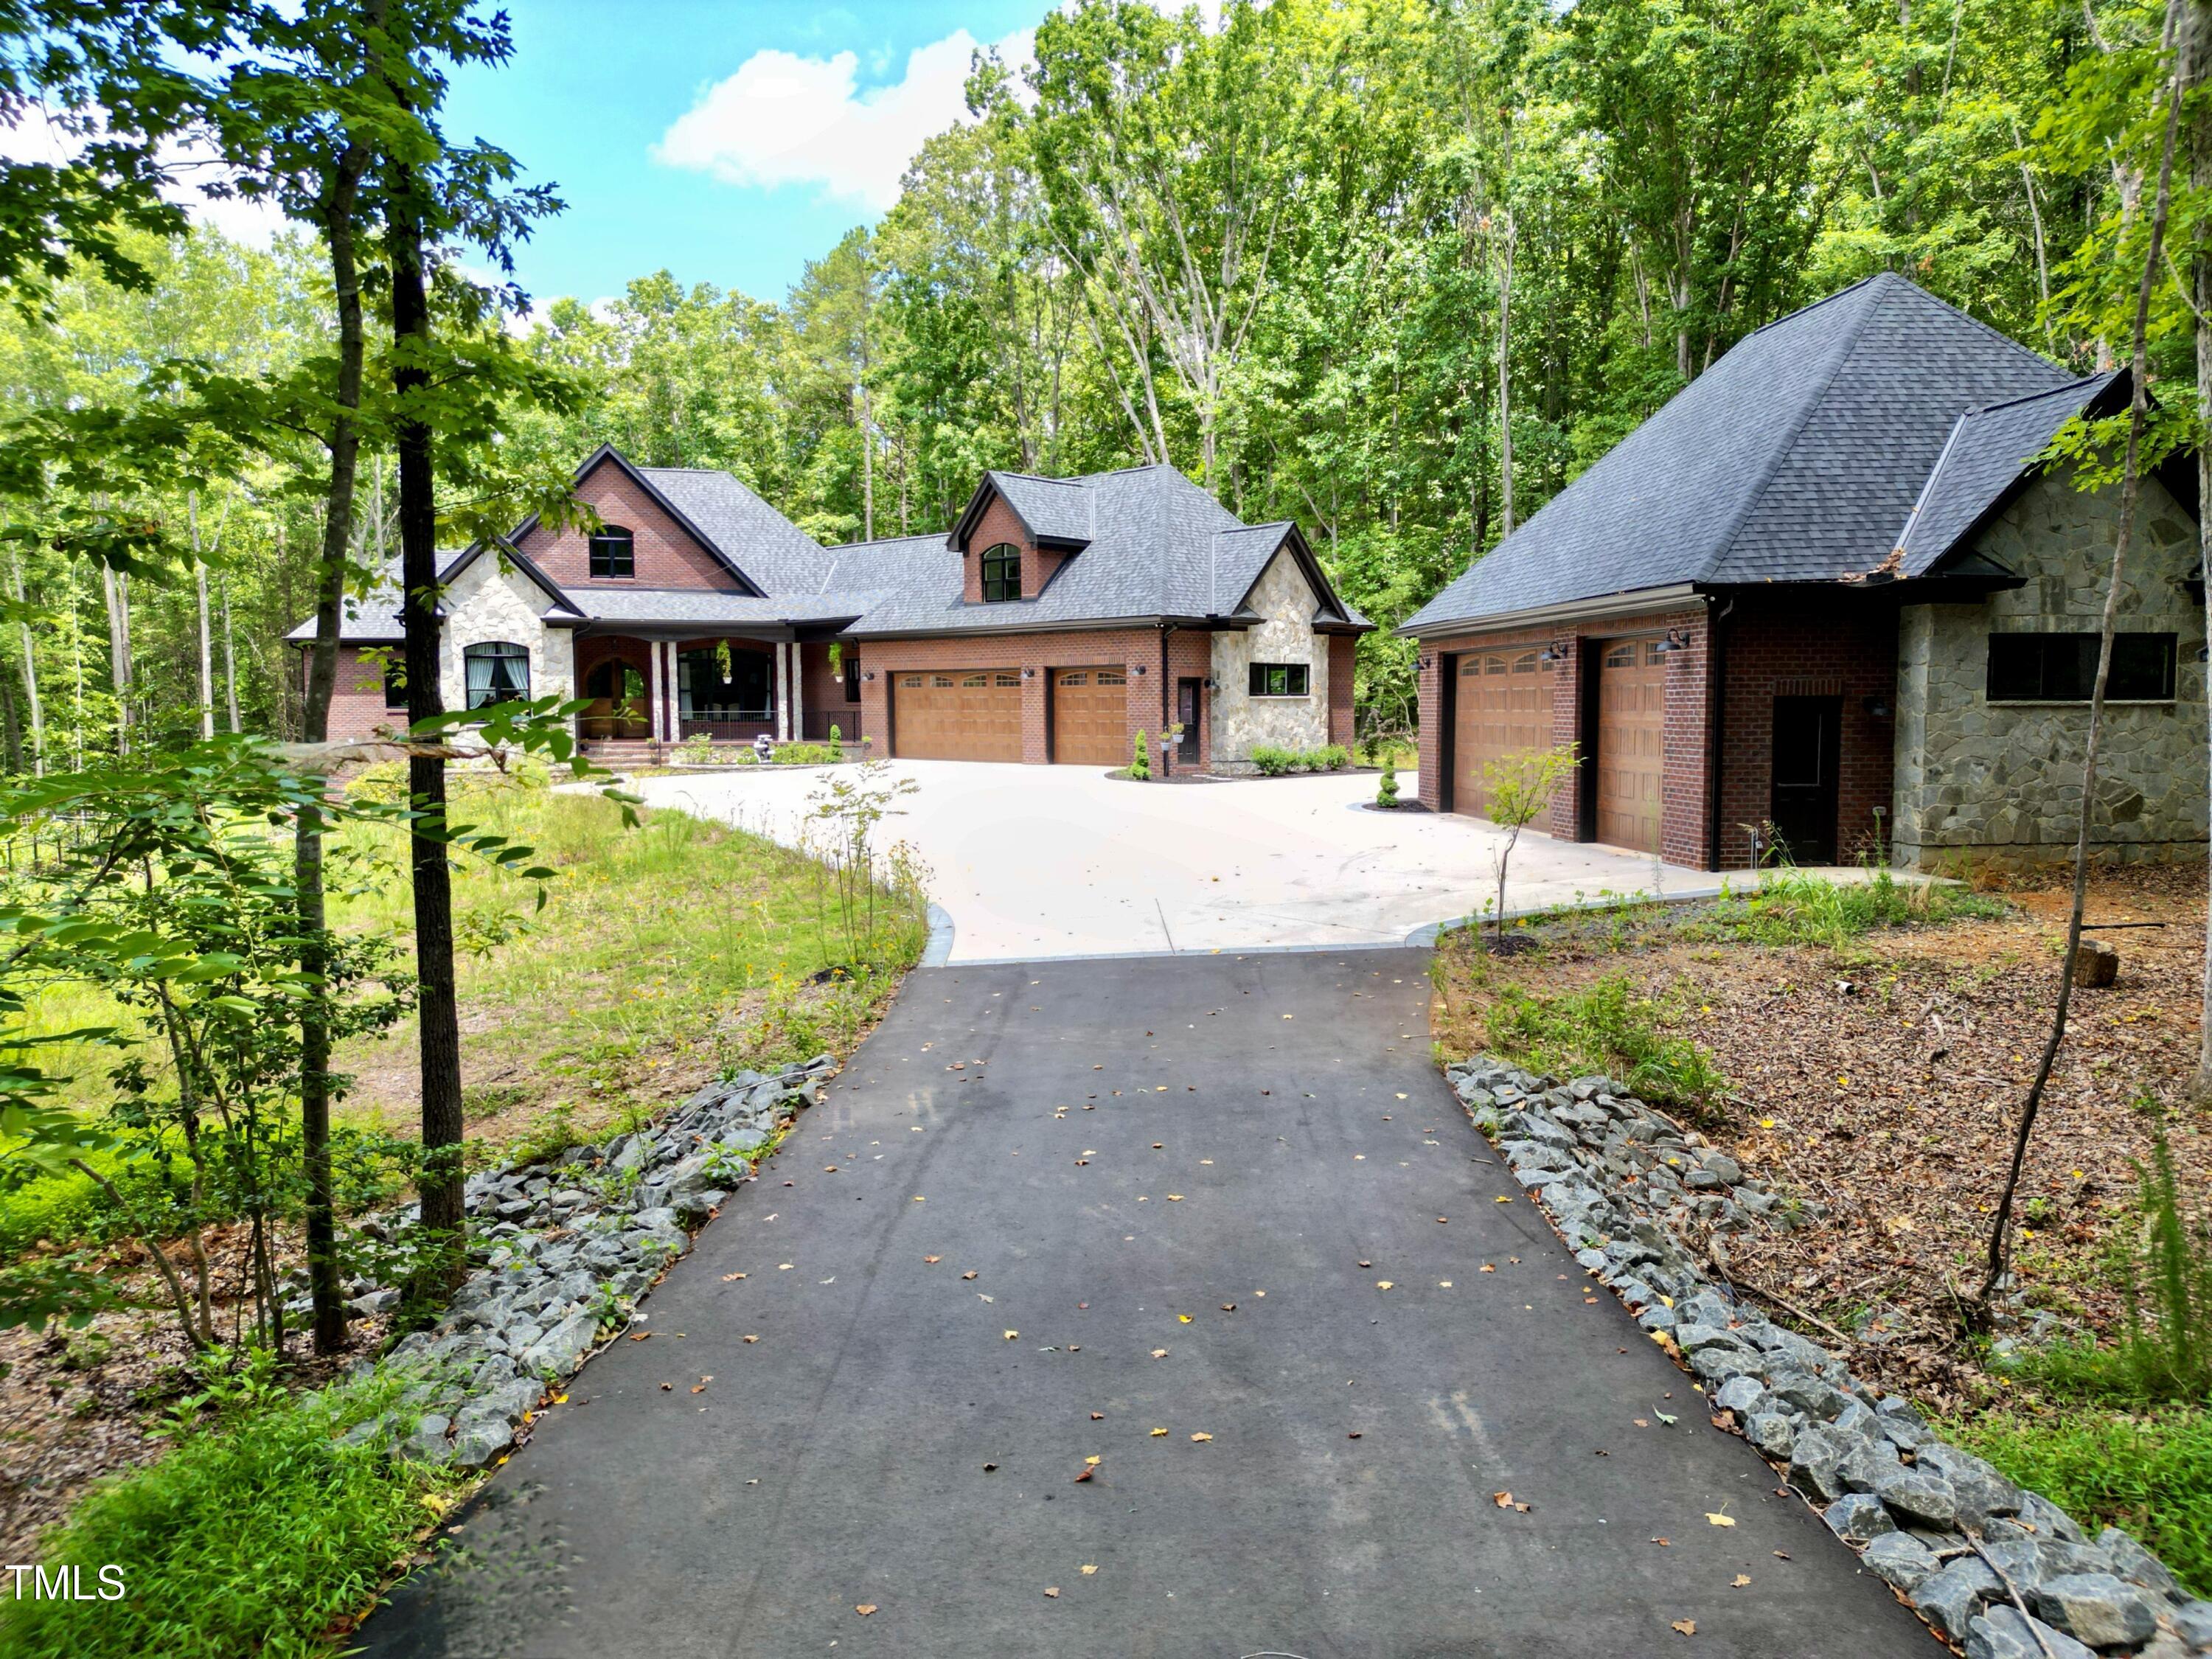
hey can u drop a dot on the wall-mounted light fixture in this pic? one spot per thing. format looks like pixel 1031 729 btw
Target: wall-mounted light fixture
pixel 1422 663
pixel 1678 639
pixel 1877 705
pixel 1029 674
pixel 1210 684
pixel 867 673
pixel 1553 653
pixel 1139 671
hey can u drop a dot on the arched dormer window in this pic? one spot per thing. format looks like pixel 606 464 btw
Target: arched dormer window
pixel 1002 572
pixel 498 671
pixel 614 551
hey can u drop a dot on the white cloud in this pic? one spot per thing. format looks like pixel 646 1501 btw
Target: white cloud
pixel 188 166
pixel 784 119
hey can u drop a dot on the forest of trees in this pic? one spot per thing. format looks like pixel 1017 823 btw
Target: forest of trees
pixel 1396 269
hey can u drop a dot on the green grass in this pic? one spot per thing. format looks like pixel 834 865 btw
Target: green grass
pixel 254 1536
pixel 1604 1027
pixel 1791 908
pixel 2150 1474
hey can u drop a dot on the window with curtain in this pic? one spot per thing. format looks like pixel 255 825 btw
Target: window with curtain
pixel 498 671
pixel 614 551
pixel 1002 572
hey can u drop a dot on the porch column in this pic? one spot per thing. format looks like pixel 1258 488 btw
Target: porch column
pixel 652 688
pixel 671 714
pixel 782 695
pixel 797 694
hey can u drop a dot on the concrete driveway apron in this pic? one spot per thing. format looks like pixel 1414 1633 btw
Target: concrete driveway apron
pixel 1221 1196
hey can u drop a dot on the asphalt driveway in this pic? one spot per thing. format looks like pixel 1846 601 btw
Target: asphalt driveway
pixel 1037 861
pixel 1049 1210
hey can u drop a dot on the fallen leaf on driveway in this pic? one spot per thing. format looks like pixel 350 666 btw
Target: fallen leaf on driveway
pixel 1085 1472
pixel 727 1278
pixel 1175 1197
pixel 1200 1439
pixel 1090 1570
pixel 933 1258
pixel 1156 1433
pixel 1781 1555
pixel 1712 1519
pixel 1662 1542
pixel 1011 1335
pixel 1383 1284
pixel 865 1608
pixel 1740 1580
pixel 1354 1435
pixel 1504 1201
pixel 752 1338
pixel 1487 1269
pixel 1159 1353
pixel 1688 1627
pixel 1229 1307
pixel 639 1336
pixel 1098 1417
pixel 1052 1592
pixel 1505 1500
pixel 1643 1422
pixel 968 1275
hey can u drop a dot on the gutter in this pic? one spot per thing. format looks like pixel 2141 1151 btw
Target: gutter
pixel 1080 625
pixel 1610 604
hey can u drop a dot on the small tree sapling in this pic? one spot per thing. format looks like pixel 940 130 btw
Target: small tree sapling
pixel 1520 786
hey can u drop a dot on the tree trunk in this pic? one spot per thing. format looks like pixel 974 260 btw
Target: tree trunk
pixel 11 726
pixel 117 597
pixel 438 1017
pixel 1505 356
pixel 2130 491
pixel 229 662
pixel 325 1290
pixel 2196 58
pixel 207 638
pixel 30 666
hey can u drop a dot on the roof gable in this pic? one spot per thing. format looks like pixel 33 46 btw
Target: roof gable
pixel 644 479
pixel 1061 511
pixel 1794 458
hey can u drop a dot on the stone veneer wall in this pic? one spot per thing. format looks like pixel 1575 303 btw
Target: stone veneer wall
pixel 489 603
pixel 1242 722
pixel 2000 783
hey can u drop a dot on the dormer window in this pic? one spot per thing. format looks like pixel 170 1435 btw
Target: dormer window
pixel 1002 572
pixel 613 552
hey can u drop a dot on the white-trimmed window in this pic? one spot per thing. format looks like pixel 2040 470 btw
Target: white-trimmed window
pixel 497 671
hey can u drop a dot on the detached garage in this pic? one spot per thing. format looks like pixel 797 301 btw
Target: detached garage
pixel 960 713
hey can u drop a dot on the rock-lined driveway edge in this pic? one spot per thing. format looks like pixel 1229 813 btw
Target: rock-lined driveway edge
pixel 1229 1197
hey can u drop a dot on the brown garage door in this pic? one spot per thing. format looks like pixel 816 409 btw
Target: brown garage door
pixel 1632 711
pixel 961 714
pixel 1504 706
pixel 1089 716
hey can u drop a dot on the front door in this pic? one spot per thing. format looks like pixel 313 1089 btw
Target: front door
pixel 1808 732
pixel 1189 694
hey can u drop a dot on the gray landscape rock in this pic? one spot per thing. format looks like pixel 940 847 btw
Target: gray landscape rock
pixel 1743 1395
pixel 1814 1466
pixel 1952 1599
pixel 1859 1518
pixel 2002 1634
pixel 1901 1559
pixel 2095 1607
pixel 480 1435
pixel 561 1349
pixel 1772 1433
pixel 427 1444
pixel 1916 1498
pixel 2132 1562
pixel 1866 1464
pixel 2193 1621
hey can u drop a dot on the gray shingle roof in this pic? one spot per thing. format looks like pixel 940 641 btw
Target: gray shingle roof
pixel 775 553
pixel 1794 458
pixel 374 617
pixel 1054 509
pixel 1988 452
pixel 1157 546
pixel 691 604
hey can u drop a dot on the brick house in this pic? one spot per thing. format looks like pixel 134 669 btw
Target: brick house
pixel 1825 598
pixel 1061 617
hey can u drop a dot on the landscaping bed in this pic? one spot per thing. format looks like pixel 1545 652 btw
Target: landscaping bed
pixel 1864 1054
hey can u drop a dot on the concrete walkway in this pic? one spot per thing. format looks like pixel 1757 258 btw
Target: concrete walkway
pixel 1050 1211
pixel 1039 861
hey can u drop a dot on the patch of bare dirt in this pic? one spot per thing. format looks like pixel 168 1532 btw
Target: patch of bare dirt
pixel 1884 1080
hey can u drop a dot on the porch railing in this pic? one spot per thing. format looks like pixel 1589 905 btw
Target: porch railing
pixel 815 723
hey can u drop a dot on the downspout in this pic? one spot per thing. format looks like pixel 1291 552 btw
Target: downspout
pixel 1164 697
pixel 1719 675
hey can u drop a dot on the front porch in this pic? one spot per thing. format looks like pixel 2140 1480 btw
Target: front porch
pixel 646 693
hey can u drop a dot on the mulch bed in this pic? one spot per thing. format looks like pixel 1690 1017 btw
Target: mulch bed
pixel 1884 1079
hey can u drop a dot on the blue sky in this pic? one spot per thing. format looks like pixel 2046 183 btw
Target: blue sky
pixel 729 141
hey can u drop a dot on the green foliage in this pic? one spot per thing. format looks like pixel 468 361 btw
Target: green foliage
pixel 1273 762
pixel 1141 766
pixel 1607 1028
pixel 1790 908
pixel 253 1535
pixel 2163 1266
pixel 1386 789
pixel 2148 1473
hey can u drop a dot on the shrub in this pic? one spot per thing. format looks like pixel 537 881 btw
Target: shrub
pixel 255 1536
pixel 1140 767
pixel 836 742
pixel 1605 1029
pixel 1385 792
pixel 2149 1474
pixel 2164 1351
pixel 1273 763
pixel 1331 757
pixel 1791 908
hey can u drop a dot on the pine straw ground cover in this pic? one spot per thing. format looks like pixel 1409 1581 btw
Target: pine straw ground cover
pixel 1878 1075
